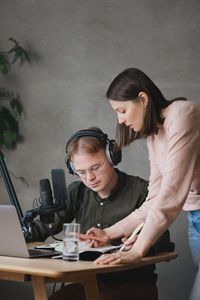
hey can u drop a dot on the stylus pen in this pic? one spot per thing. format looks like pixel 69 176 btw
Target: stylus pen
pixel 137 229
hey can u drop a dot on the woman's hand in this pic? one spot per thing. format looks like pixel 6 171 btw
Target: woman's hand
pixel 129 242
pixel 96 233
pixel 120 257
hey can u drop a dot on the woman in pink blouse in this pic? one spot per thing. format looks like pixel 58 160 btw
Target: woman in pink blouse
pixel 172 129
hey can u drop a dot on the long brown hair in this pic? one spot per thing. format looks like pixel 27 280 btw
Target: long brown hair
pixel 127 86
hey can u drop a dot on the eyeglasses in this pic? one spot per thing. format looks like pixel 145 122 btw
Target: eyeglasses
pixel 96 169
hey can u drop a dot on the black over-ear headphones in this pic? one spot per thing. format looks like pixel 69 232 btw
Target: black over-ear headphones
pixel 113 157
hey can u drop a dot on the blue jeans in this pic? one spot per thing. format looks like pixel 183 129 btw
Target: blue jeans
pixel 194 241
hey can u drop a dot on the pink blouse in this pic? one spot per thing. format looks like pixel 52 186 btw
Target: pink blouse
pixel 174 155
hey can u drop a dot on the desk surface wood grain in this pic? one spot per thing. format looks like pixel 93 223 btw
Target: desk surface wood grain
pixel 56 268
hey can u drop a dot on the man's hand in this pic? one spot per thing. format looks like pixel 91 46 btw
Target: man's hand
pixel 95 237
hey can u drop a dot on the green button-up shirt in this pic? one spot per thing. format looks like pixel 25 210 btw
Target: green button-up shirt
pixel 88 209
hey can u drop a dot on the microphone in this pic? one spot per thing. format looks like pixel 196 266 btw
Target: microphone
pixel 46 211
pixel 59 187
pixel 47 216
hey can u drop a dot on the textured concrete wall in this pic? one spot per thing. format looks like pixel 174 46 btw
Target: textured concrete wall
pixel 77 47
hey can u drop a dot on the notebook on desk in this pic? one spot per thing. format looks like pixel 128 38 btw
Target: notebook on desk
pixel 12 241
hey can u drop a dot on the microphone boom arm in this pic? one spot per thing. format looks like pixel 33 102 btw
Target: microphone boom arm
pixel 12 195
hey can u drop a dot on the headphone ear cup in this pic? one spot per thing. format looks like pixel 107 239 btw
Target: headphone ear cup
pixel 113 157
pixel 108 154
pixel 69 165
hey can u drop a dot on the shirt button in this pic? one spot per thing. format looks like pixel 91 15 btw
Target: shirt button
pixel 98 225
pixel 101 203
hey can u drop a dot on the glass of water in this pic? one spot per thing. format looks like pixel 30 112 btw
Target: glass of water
pixel 71 233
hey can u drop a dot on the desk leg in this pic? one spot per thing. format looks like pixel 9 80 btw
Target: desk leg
pixel 39 288
pixel 91 287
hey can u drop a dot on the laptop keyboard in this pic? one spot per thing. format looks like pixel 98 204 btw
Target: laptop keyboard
pixel 42 253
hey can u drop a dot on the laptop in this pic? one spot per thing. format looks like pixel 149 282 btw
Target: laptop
pixel 12 241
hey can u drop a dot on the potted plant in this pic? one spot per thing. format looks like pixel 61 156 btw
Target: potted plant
pixel 10 107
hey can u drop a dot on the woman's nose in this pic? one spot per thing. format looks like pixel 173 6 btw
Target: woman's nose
pixel 121 120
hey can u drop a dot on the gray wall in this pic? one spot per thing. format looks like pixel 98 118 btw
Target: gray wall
pixel 77 47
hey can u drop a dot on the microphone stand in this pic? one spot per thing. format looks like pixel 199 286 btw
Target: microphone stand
pixel 12 195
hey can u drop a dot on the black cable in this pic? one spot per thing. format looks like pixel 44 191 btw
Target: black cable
pixel 56 238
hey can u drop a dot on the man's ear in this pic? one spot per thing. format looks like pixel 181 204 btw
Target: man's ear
pixel 144 98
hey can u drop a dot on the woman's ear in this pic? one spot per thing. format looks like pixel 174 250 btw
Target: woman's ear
pixel 144 98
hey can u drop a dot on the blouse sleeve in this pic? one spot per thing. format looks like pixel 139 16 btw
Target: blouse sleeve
pixel 183 137
pixel 128 224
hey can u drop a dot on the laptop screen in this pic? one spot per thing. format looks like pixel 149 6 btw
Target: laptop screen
pixel 11 235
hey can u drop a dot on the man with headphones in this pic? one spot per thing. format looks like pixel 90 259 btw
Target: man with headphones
pixel 102 196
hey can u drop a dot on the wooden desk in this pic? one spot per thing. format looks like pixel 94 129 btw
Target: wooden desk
pixel 46 270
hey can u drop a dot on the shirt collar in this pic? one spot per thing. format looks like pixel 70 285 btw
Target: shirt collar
pixel 116 189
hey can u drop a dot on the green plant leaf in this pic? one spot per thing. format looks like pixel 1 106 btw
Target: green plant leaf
pixel 4 64
pixel 5 158
pixel 17 56
pixel 19 177
pixel 16 107
pixel 8 128
pixel 7 120
pixel 10 138
pixel 16 113
pixel 13 40
pixel 19 52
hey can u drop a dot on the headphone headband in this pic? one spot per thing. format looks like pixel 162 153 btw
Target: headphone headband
pixel 88 132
